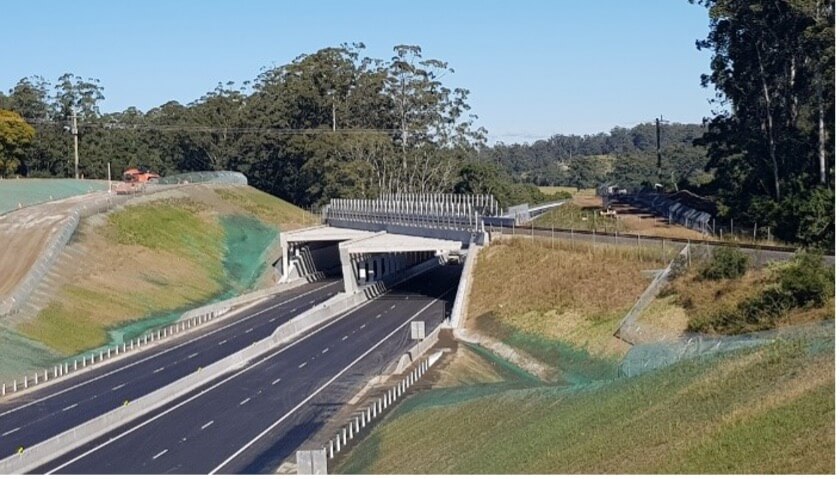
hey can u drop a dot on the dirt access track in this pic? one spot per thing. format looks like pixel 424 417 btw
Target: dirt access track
pixel 25 233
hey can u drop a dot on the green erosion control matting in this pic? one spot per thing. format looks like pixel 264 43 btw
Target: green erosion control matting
pixel 246 240
pixel 33 191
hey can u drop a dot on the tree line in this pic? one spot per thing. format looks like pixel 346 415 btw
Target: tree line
pixel 337 123
pixel 328 124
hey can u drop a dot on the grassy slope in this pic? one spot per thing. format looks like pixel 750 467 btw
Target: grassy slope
pixel 568 314
pixel 268 209
pixel 689 297
pixel 155 257
pixel 769 410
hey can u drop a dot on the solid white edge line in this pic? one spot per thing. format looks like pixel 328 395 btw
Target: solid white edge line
pixel 174 347
pixel 205 391
pixel 333 379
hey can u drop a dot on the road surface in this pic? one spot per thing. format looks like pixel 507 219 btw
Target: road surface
pixel 249 420
pixel 28 419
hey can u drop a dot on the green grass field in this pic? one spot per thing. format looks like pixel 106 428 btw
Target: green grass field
pixel 568 317
pixel 158 258
pixel 766 410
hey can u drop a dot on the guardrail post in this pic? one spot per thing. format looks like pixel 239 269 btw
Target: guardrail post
pixel 101 356
pixel 350 426
pixel 357 424
pixel 25 382
pixel 36 378
pixel 109 352
pixel 364 424
pixel 84 361
pixel 46 376
pixel 14 386
pixel 75 365
pixel 3 389
pixel 332 453
pixel 55 371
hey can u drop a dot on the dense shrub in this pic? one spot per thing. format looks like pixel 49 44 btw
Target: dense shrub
pixel 803 282
pixel 726 263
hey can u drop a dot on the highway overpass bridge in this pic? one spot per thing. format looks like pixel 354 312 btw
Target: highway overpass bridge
pixel 255 383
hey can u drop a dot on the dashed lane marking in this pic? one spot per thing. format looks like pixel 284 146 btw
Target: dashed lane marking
pixel 158 370
pixel 160 454
pixel 325 350
pixel 117 387
pixel 10 432
pixel 206 425
pixel 275 381
pixel 302 365
pixel 192 355
pixel 345 337
pixel 248 330
pixel 242 403
pixel 222 342
pixel 70 407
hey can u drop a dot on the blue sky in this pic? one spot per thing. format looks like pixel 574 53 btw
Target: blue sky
pixel 534 68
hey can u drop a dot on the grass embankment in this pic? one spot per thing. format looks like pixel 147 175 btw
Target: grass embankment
pixel 560 302
pixel 159 257
pixel 268 209
pixel 742 304
pixel 166 255
pixel 767 410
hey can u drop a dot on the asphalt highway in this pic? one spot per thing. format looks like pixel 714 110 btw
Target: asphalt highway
pixel 249 420
pixel 31 418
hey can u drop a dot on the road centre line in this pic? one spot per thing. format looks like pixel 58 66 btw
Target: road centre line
pixel 174 347
pixel 333 379
pixel 205 391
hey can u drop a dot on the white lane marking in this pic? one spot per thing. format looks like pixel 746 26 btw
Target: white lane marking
pixel 275 381
pixel 70 407
pixel 325 350
pixel 160 454
pixel 333 379
pixel 393 306
pixel 207 425
pixel 192 355
pixel 174 347
pixel 272 320
pixel 293 310
pixel 345 337
pixel 312 301
pixel 117 387
pixel 363 326
pixel 302 365
pixel 222 342
pixel 158 370
pixel 205 391
pixel 378 315
pixel 248 330
pixel 244 401
pixel 10 432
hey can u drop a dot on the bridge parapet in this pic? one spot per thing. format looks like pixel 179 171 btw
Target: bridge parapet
pixel 446 216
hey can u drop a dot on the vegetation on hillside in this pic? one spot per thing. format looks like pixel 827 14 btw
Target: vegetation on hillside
pixel 560 302
pixel 784 293
pixel 160 257
pixel 759 411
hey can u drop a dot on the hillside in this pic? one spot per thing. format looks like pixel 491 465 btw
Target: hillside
pixel 765 408
pixel 140 265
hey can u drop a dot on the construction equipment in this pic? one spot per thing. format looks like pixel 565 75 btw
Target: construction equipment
pixel 135 180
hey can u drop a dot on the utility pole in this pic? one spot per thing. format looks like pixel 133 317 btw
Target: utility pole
pixel 75 132
pixel 658 152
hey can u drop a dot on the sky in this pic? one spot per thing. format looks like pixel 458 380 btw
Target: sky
pixel 534 68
